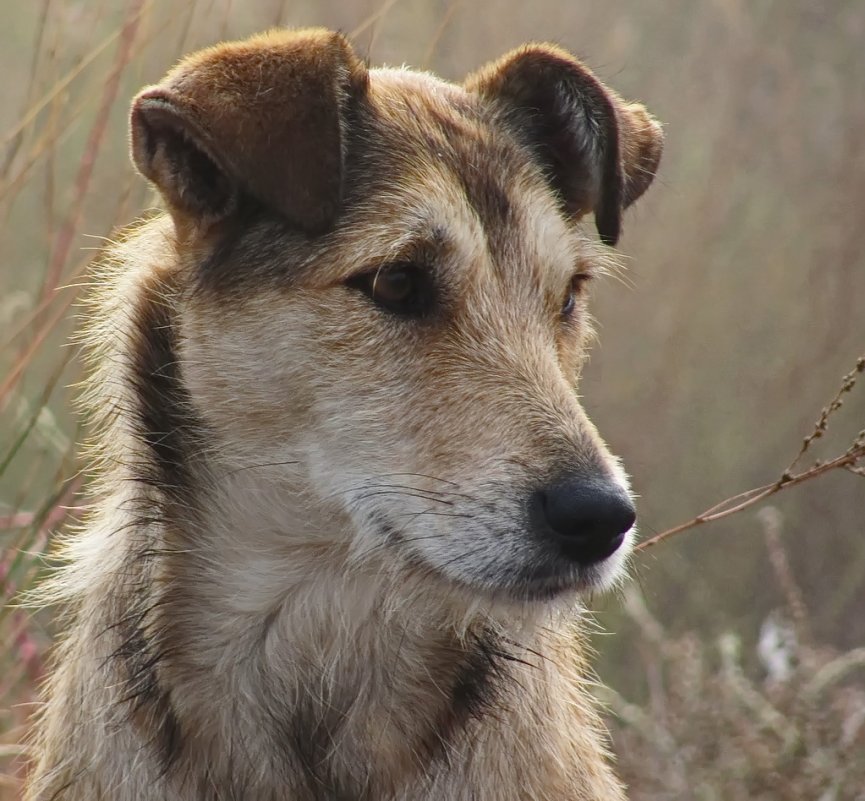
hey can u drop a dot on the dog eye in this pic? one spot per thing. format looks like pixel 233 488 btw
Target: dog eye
pixel 403 288
pixel 578 283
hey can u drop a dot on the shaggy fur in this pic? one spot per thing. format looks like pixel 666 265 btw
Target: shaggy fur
pixel 310 573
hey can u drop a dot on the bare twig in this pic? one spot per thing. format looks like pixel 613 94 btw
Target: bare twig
pixel 849 460
pixel 847 384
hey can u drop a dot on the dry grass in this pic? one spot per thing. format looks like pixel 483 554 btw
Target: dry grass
pixel 714 727
pixel 744 305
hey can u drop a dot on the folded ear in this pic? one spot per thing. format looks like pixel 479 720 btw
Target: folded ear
pixel 265 117
pixel 600 153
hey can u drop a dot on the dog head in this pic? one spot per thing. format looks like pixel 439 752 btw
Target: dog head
pixel 382 297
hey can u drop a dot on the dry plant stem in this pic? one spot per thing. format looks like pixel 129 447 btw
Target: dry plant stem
pixel 373 18
pixel 439 32
pixel 771 519
pixel 16 141
pixel 847 384
pixel 55 518
pixel 91 148
pixel 26 358
pixel 57 89
pixel 849 460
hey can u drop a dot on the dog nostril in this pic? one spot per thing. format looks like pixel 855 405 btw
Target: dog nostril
pixel 587 517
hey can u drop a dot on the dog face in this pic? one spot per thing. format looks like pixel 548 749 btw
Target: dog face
pixel 382 297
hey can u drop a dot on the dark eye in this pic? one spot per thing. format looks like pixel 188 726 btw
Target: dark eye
pixel 403 288
pixel 575 289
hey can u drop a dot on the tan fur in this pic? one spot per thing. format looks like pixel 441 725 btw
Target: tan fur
pixel 298 580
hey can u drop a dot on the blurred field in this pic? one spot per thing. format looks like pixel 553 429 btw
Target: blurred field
pixel 743 306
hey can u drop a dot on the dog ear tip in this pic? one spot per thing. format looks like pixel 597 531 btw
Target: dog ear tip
pixel 151 109
pixel 650 127
pixel 152 106
pixel 154 99
pixel 548 51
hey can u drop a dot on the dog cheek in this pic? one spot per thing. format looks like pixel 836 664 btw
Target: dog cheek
pixel 246 380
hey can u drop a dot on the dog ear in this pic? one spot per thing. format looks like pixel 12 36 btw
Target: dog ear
pixel 600 152
pixel 265 117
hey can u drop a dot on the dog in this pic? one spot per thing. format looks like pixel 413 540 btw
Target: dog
pixel 346 498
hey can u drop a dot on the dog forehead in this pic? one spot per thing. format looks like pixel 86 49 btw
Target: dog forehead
pixel 422 121
pixel 406 82
pixel 441 145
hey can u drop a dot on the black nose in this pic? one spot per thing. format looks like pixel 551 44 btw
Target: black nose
pixel 587 517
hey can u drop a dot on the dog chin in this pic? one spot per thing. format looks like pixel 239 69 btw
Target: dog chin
pixel 546 583
pixel 571 583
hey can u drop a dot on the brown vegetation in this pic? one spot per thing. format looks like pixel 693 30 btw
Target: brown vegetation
pixel 796 730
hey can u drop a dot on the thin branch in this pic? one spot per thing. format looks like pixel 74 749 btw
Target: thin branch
pixel 849 460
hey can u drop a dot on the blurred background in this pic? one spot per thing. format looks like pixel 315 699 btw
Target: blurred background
pixel 742 304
